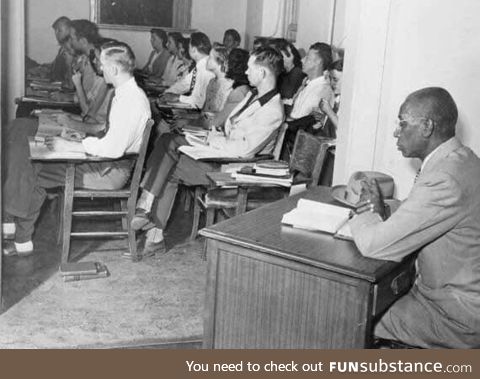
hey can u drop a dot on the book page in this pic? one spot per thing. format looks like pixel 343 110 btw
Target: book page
pixel 314 215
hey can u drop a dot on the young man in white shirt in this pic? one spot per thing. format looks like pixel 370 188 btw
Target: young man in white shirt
pixel 315 88
pixel 250 129
pixel 24 192
pixel 192 89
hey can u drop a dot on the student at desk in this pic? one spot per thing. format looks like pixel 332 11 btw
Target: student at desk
pixel 250 128
pixel 175 63
pixel 192 89
pixel 159 57
pixel 25 183
pixel 225 90
pixel 440 219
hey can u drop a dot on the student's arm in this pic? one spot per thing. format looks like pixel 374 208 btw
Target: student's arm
pixel 82 96
pixel 433 207
pixel 70 122
pixel 96 103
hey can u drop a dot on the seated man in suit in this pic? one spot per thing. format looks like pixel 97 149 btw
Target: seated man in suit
pixel 250 129
pixel 193 87
pixel 440 220
pixel 25 183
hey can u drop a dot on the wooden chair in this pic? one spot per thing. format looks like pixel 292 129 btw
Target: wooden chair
pixel 127 197
pixel 200 191
pixel 306 164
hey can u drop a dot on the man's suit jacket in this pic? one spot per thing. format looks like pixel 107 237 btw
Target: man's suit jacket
pixel 440 219
pixel 253 131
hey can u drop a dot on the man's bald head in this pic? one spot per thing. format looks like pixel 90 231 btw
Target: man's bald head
pixel 436 104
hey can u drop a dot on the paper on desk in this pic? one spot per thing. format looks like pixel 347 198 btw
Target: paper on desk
pixel 203 152
pixel 38 150
pixel 48 125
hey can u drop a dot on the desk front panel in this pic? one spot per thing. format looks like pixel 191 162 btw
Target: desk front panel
pixel 255 300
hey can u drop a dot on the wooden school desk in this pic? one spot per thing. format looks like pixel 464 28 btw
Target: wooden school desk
pixel 273 286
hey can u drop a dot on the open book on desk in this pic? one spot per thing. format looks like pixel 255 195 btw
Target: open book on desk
pixel 316 216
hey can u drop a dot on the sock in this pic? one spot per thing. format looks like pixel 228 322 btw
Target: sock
pixel 24 246
pixel 155 235
pixel 8 228
pixel 145 201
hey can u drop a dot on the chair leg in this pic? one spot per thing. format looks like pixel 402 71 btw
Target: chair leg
pixel 67 210
pixel 124 207
pixel 60 201
pixel 210 218
pixel 196 213
pixel 132 238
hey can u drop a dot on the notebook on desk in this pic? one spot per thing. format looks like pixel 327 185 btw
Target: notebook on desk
pixel 322 217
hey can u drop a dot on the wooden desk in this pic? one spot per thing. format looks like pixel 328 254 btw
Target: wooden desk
pixel 272 286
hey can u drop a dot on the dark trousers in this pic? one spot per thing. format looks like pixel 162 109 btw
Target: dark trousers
pixel 166 168
pixel 25 182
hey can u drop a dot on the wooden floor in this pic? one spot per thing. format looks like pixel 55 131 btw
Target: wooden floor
pixel 22 275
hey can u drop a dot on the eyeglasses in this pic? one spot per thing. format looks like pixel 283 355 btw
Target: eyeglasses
pixel 401 123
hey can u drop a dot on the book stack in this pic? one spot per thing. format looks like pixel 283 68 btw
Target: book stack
pixel 267 172
pixel 75 271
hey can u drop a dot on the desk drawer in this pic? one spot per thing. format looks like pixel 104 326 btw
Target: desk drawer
pixel 393 286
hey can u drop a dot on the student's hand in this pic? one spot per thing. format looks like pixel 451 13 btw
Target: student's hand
pixel 63 119
pixel 58 144
pixel 77 79
pixel 319 117
pixel 169 97
pixel 325 107
pixel 371 198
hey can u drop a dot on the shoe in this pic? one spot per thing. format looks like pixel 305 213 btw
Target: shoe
pixel 140 220
pixel 9 249
pixel 154 249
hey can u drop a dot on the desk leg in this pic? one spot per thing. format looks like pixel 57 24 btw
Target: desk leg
pixel 67 210
pixel 241 200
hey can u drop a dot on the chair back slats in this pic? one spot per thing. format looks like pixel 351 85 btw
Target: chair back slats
pixel 309 154
pixel 279 142
pixel 137 171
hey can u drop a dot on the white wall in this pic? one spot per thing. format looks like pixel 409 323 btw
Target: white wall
pixel 417 44
pixel 40 14
pixel 314 22
pixel 254 18
pixel 213 17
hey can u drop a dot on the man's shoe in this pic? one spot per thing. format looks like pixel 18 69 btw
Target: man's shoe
pixel 154 249
pixel 9 249
pixel 140 220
